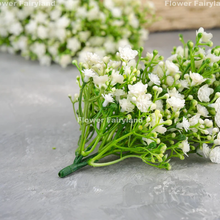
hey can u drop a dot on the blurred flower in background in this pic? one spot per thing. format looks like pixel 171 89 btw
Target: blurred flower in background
pixel 48 30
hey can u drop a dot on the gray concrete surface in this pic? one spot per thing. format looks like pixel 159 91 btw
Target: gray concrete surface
pixel 36 115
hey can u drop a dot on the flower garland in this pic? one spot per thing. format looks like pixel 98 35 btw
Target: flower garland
pixel 147 108
pixel 71 28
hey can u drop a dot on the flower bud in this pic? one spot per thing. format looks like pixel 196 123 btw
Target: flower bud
pixel 161 63
pixel 215 65
pixel 74 62
pixel 177 76
pixel 129 117
pixel 167 166
pixel 210 44
pixel 155 52
pixel 173 135
pixel 194 102
pixel 190 44
pixel 140 127
pixel 181 157
pixel 76 96
pixel 190 97
pixel 155 88
pixel 157 140
pixel 201 121
pixel 162 148
pixel 160 90
pixel 215 130
pixel 106 59
pixel 69 96
pixel 199 35
pixel 169 122
pixel 186 76
pixel 209 138
pixel 177 114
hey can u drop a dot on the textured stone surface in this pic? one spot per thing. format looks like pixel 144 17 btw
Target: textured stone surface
pixel 36 115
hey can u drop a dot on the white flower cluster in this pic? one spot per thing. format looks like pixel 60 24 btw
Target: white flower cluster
pixel 73 28
pixel 178 101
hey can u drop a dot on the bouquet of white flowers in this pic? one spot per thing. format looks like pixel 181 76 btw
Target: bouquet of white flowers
pixel 147 108
pixel 63 29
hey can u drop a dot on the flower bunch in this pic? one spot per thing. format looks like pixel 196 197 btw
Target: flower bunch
pixel 63 29
pixel 147 108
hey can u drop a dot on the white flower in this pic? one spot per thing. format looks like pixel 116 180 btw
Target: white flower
pixel 42 32
pixel 197 79
pixel 73 44
pixel 84 35
pixel 175 93
pixel 159 105
pixel 31 27
pixel 217 118
pixel 118 93
pixel 180 51
pixel 116 77
pixel 126 53
pixel 15 28
pixel 100 80
pixel 137 89
pixel 213 58
pixel 147 140
pixel 154 78
pixel 176 103
pixel 88 73
pixel 206 150
pixel 216 105
pixel 55 14
pixel 45 60
pixel 186 124
pixel 110 46
pixel 215 155
pixel 206 37
pixel 65 60
pixel 108 98
pixel 144 102
pixel 185 146
pixel 184 84
pixel 154 121
pixel 170 80
pixel 126 105
pixel 92 59
pixel 93 14
pixel 116 12
pixel 171 68
pixel 202 110
pixel 39 49
pixel 194 120
pixel 63 22
pixel 204 93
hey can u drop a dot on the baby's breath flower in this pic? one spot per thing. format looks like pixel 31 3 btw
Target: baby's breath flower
pixel 126 105
pixel 88 73
pixel 215 155
pixel 171 68
pixel 206 37
pixel 206 150
pixel 154 78
pixel 126 53
pixel 204 93
pixel 197 79
pixel 108 98
pixel 202 110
